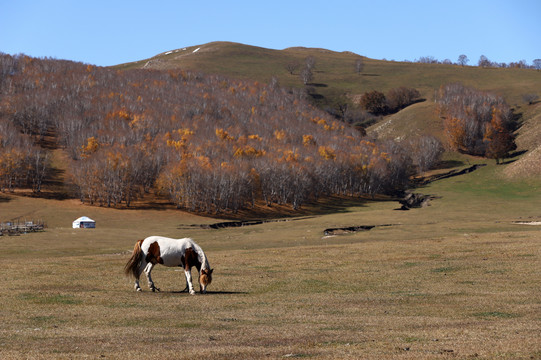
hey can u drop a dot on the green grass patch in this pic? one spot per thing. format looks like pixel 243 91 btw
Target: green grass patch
pixel 496 272
pixel 410 264
pixel 487 183
pixel 445 269
pixel 495 315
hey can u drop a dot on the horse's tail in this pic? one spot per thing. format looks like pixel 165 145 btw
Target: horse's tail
pixel 132 267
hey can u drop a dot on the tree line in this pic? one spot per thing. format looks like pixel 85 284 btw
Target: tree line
pixel 206 142
pixel 483 61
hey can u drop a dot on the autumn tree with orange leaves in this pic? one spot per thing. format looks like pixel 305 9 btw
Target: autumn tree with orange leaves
pixel 476 122
pixel 498 137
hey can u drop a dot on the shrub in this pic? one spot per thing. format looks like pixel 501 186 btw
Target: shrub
pixel 399 98
pixel 375 102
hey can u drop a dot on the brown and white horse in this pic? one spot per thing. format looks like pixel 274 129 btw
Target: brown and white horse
pixel 169 252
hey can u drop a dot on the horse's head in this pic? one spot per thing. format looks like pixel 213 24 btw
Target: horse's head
pixel 205 279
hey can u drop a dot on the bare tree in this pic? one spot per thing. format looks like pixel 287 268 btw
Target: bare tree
pixel 483 61
pixel 427 60
pixel 426 151
pixel 38 161
pixel 310 62
pixel 463 60
pixel 292 66
pixel 274 83
pixel 359 65
pixel 306 75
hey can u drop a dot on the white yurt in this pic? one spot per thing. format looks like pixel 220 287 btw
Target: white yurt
pixel 84 222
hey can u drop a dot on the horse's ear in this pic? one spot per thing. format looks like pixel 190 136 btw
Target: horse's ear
pixel 210 271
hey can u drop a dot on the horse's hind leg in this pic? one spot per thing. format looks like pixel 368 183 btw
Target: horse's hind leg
pixel 139 271
pixel 148 270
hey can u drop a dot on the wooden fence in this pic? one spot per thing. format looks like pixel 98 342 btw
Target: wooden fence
pixel 18 227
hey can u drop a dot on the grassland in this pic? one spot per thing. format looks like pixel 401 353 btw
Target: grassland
pixel 457 279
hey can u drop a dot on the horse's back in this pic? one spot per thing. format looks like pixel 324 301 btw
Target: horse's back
pixel 167 241
pixel 170 250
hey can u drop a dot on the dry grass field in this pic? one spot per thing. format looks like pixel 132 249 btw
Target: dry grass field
pixel 455 280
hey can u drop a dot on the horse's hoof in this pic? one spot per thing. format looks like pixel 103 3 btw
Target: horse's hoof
pixel 138 289
pixel 192 292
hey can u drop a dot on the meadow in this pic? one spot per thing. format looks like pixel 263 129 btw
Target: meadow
pixel 457 279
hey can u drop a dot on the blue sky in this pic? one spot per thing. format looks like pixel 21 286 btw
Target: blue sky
pixel 117 31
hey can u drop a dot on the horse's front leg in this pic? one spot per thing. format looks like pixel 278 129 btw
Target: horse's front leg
pixel 202 287
pixel 189 284
pixel 148 270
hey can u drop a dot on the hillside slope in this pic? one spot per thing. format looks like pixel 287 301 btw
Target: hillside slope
pixel 335 79
pixel 415 120
pixel 529 140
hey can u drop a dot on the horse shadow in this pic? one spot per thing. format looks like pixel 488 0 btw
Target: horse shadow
pixel 220 292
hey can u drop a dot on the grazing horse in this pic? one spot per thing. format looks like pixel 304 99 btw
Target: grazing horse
pixel 169 252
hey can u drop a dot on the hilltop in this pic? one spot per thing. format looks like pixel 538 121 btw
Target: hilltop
pixel 335 71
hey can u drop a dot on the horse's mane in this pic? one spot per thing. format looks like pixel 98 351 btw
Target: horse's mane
pixel 200 255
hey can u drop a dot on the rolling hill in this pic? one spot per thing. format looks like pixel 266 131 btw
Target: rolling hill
pixel 335 72
pixel 335 80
